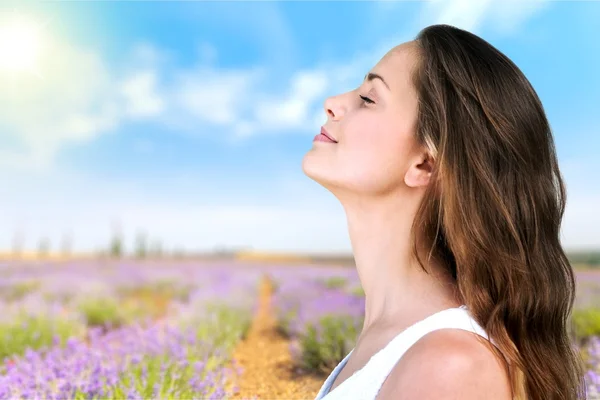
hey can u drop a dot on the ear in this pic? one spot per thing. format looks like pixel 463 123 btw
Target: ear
pixel 419 171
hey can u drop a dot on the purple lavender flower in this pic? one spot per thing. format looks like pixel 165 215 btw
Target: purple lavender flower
pixel 174 355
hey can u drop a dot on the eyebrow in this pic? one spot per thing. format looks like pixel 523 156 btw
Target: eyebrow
pixel 371 75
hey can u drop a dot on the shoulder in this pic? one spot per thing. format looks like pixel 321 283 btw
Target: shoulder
pixel 448 364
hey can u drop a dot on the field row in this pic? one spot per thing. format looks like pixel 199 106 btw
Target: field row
pixel 134 330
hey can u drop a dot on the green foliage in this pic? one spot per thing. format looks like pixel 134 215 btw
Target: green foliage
pixel 172 380
pixel 324 345
pixel 218 327
pixel 285 320
pixel 34 332
pixel 18 290
pixel 161 288
pixel 114 313
pixel 357 291
pixel 141 245
pixel 589 258
pixel 335 282
pixel 116 247
pixel 104 312
pixel 223 326
pixel 585 323
pixel 274 284
pixel 60 297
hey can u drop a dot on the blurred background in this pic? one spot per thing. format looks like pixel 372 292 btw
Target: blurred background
pixel 132 132
pixel 185 122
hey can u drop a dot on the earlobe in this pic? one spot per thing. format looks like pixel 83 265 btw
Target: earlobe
pixel 420 172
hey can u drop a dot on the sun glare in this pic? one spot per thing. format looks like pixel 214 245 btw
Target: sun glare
pixel 20 44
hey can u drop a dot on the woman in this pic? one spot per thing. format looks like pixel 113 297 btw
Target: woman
pixel 444 162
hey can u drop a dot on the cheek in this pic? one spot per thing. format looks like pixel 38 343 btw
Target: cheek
pixel 375 156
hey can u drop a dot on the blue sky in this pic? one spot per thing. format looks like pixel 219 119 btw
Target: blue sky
pixel 189 120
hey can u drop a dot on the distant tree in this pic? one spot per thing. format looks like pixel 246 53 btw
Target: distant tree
pixel 178 253
pixel 156 249
pixel 66 244
pixel 584 258
pixel 141 246
pixel 594 259
pixel 43 247
pixel 116 247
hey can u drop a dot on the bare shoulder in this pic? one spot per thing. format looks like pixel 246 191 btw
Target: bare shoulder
pixel 448 364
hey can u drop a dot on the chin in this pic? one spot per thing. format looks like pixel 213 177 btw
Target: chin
pixel 310 166
pixel 314 167
pixel 320 168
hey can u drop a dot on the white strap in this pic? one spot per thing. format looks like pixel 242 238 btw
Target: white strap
pixel 454 318
pixel 365 383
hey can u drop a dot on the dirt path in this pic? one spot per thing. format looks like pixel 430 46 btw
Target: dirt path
pixel 266 361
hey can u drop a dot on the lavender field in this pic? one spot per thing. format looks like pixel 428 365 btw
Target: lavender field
pixel 121 329
pixel 321 311
pixel 125 329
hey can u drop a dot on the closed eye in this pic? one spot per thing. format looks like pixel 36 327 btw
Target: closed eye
pixel 367 100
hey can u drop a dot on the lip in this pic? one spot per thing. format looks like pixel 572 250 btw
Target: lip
pixel 325 133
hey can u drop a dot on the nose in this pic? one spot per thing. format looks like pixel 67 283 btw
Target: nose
pixel 333 108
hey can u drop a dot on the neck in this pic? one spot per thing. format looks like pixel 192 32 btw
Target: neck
pixel 396 287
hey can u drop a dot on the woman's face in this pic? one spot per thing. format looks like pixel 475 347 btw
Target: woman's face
pixel 373 125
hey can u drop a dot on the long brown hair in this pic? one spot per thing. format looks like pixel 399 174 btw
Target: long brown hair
pixel 494 210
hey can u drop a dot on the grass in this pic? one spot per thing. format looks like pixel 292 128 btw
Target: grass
pixel 109 312
pixel 158 377
pixel 17 291
pixel 199 374
pixel 357 291
pixel 34 332
pixel 223 326
pixel 335 282
pixel 284 322
pixel 325 344
pixel 163 288
pixel 103 312
pixel 585 323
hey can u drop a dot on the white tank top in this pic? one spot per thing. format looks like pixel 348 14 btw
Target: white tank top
pixel 365 383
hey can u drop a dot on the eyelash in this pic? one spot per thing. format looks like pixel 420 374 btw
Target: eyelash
pixel 366 100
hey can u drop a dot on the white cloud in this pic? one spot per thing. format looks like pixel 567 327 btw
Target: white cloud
pixel 145 55
pixel 464 14
pixel 292 111
pixel 80 98
pixel 505 15
pixel 74 100
pixel 213 96
pixel 85 126
pixel 141 97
